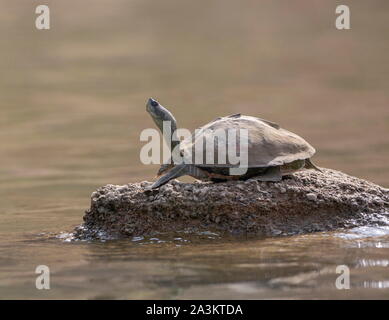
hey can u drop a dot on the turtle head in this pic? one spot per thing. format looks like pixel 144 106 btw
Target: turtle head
pixel 154 108
pixel 160 114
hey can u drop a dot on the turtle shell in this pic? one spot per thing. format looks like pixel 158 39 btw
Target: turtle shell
pixel 268 143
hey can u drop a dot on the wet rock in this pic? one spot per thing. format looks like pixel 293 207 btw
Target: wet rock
pixel 309 201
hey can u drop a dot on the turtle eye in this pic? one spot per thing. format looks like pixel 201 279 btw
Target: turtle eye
pixel 153 103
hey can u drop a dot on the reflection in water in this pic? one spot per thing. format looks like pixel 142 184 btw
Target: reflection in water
pixel 363 263
pixel 365 232
pixel 192 266
pixel 73 105
pixel 376 284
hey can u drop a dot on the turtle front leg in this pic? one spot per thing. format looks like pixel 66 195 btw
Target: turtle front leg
pixel 179 171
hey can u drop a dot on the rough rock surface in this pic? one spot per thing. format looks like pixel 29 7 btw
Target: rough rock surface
pixel 308 201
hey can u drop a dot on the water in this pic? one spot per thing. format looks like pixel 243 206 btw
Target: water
pixel 197 266
pixel 73 104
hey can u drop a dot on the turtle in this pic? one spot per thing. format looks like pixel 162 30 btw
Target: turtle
pixel 272 152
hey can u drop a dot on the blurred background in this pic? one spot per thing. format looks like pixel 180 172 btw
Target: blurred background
pixel 73 97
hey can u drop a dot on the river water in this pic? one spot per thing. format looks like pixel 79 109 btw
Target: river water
pixel 73 105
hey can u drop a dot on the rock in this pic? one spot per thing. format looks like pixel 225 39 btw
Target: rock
pixel 309 201
pixel 311 196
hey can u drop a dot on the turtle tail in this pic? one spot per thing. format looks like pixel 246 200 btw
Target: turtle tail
pixel 310 165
